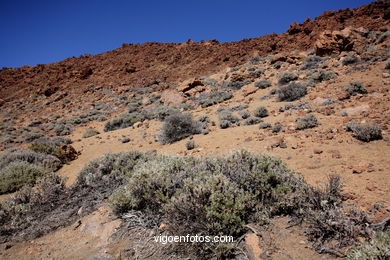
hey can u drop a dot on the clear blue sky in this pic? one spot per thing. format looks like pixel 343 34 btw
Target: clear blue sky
pixel 38 31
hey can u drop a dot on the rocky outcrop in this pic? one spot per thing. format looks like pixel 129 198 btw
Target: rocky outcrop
pixel 335 42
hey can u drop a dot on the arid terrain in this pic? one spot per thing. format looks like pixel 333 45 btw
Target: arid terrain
pixel 317 98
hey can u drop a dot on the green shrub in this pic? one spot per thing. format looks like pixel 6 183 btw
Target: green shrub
pixel 348 60
pixel 356 87
pixel 292 91
pixel 256 73
pixel 264 125
pixel 59 148
pixel 236 84
pixel 308 121
pixel 190 144
pixel 152 184
pixel 17 174
pixel 63 129
pixel 123 121
pixel 365 133
pixel 255 60
pixel 238 107
pixel 226 115
pixel 159 112
pixel 213 98
pixel 322 75
pixel 177 127
pixel 245 114
pixel 277 128
pixel 32 136
pixel 90 132
pixel 261 112
pixel 286 76
pixel 46 161
pixel 209 196
pixel 263 84
pixel 252 121
pixel 377 248
pixel 223 124
pixel 312 62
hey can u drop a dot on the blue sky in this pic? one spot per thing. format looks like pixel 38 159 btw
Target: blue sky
pixel 44 31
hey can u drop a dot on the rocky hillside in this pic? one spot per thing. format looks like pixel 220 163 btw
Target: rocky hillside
pixel 280 141
pixel 135 65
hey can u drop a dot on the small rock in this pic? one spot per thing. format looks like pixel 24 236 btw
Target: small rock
pixel 317 151
pixel 370 187
pixel 357 169
pixel 125 140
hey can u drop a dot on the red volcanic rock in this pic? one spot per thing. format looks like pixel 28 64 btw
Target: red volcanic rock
pixel 141 65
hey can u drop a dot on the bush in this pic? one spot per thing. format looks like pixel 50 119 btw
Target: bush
pixel 226 115
pixel 348 60
pixel 260 112
pixel 237 84
pixel 223 124
pixel 190 144
pixel 252 121
pixel 264 125
pixel 237 107
pixel 356 87
pixel 17 174
pixel 177 127
pixel 63 129
pixel 312 62
pixel 286 76
pixel 159 112
pixel 377 248
pixel 292 91
pixel 213 98
pixel 90 132
pixel 256 73
pixel 58 147
pixel 277 128
pixel 245 114
pixel 308 121
pixel 151 185
pixel 124 120
pixel 263 84
pixel 32 136
pixel 322 75
pixel 209 196
pixel 204 119
pixel 296 106
pixel 46 161
pixel 255 60
pixel 365 133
